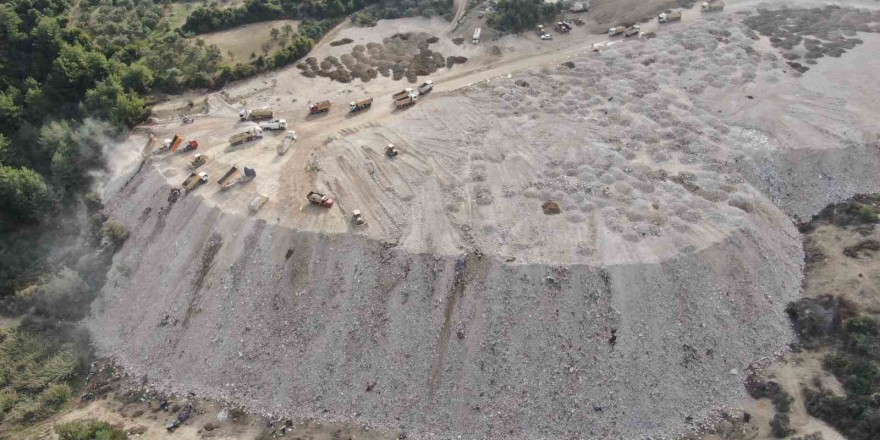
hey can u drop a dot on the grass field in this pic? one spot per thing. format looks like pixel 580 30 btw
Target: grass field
pixel 245 40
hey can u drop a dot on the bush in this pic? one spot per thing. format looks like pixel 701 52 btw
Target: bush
pixel 89 430
pixel 113 233
pixel 781 426
pixel 63 295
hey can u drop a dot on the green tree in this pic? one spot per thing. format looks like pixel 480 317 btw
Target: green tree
pixel 75 71
pixel 109 101
pixel 89 430
pixel 274 33
pixel 24 194
pixel 138 78
pixel 516 15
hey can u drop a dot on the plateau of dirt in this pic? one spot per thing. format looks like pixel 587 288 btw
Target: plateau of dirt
pixel 584 239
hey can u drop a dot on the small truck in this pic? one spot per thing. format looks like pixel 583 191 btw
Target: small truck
pixel 289 139
pixel 426 87
pixel 319 107
pixel 477 33
pixel 255 115
pixel 712 6
pixel 249 174
pixel 194 180
pixel 666 17
pixel 198 160
pixel 246 136
pixel 189 146
pixel 363 104
pixel 319 199
pixel 275 124
pixel 630 31
pixel 616 30
pixel 257 202
pixel 562 27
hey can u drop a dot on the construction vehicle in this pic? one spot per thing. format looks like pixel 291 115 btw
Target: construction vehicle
pixel 712 6
pixel 578 21
pixel 406 101
pixel 540 30
pixel 403 93
pixel 546 37
pixel 477 32
pixel 666 17
pixel 616 30
pixel 168 144
pixel 232 171
pixel 363 104
pixel 246 136
pixel 188 120
pixel 256 115
pixel 357 218
pixel 562 27
pixel 194 180
pixel 229 182
pixel 630 31
pixel 189 146
pixel 426 87
pixel 391 151
pixel 319 199
pixel 198 160
pixel 289 138
pixel 257 202
pixel 319 107
pixel 275 124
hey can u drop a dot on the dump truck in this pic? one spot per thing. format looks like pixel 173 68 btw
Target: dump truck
pixel 249 174
pixel 616 30
pixel 666 17
pixel 319 107
pixel 189 146
pixel 363 104
pixel 357 218
pixel 712 6
pixel 426 87
pixel 630 31
pixel 406 101
pixel 194 180
pixel 233 170
pixel 256 115
pixel 319 199
pixel 562 27
pixel 275 124
pixel 289 138
pixel 257 202
pixel 168 144
pixel 403 93
pixel 246 136
pixel 391 150
pixel 477 33
pixel 198 160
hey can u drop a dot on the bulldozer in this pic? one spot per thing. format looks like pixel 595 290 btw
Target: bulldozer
pixel 391 151
pixel 319 199
pixel 357 218
pixel 198 160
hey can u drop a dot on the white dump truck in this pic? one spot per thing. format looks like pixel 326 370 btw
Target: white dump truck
pixel 255 115
pixel 616 30
pixel 630 31
pixel 246 136
pixel 712 6
pixel 426 87
pixel 477 33
pixel 666 17
pixel 289 139
pixel 363 104
pixel 275 124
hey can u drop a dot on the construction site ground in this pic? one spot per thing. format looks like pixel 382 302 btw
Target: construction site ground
pixel 583 237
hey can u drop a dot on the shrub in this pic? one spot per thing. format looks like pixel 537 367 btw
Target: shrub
pixel 113 233
pixel 89 430
pixel 781 426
